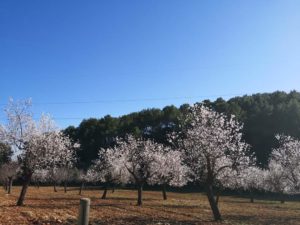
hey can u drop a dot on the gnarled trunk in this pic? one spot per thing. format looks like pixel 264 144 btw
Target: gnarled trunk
pixel 10 180
pixel 282 198
pixel 251 193
pixel 26 182
pixel 212 202
pixel 54 187
pixel 164 192
pixel 6 185
pixel 218 197
pixel 81 187
pixel 104 192
pixel 251 196
pixel 65 187
pixel 140 195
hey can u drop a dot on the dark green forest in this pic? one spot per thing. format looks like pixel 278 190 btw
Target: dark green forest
pixel 263 116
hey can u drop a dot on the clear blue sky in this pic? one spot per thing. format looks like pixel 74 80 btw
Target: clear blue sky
pixel 77 51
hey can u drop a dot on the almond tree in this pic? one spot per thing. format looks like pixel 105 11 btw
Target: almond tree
pixel 106 170
pixel 40 176
pixel 5 158
pixel 64 175
pixel 54 177
pixel 82 177
pixel 252 179
pixel 170 170
pixel 212 143
pixel 39 145
pixel 137 159
pixel 277 180
pixel 287 156
pixel 283 174
pixel 8 172
pixel 228 178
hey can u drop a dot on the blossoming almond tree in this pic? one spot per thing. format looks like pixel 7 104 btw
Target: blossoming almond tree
pixel 250 179
pixel 82 177
pixel 39 145
pixel 170 170
pixel 104 171
pixel 65 174
pixel 138 161
pixel 287 156
pixel 276 179
pixel 283 174
pixel 54 177
pixel 8 172
pixel 40 176
pixel 213 144
pixel 227 179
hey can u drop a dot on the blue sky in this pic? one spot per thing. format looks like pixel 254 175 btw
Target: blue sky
pixel 154 52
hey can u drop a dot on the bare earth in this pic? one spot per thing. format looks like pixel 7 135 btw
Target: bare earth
pixel 43 206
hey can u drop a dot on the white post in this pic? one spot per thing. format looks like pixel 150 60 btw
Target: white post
pixel 84 211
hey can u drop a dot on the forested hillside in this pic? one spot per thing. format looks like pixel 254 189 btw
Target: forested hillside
pixel 263 115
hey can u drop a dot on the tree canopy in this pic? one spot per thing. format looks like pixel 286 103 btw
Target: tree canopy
pixel 263 115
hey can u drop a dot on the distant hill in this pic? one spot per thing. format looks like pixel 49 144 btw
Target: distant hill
pixel 263 115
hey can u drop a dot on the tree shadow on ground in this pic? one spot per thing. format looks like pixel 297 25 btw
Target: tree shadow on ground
pixel 114 198
pixel 145 213
pixel 258 220
pixel 266 197
pixel 133 220
pixel 178 206
pixel 50 206
pixel 256 202
pixel 54 199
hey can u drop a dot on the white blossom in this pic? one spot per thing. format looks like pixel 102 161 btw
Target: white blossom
pixel 213 147
pixel 286 158
pixel 276 179
pixel 39 145
pixel 170 168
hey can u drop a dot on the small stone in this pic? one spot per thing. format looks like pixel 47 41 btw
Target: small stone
pixel 27 214
pixel 45 217
pixel 52 218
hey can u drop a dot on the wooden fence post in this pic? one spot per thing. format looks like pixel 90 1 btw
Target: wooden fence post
pixel 84 211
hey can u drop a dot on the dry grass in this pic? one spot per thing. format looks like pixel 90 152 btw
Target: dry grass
pixel 43 206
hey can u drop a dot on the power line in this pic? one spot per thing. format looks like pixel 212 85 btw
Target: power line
pixel 55 118
pixel 120 101
pixel 103 101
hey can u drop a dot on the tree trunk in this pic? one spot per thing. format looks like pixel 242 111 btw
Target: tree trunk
pixel 54 187
pixel 251 197
pixel 218 197
pixel 104 192
pixel 10 180
pixel 282 198
pixel 65 187
pixel 164 192
pixel 26 182
pixel 81 187
pixel 140 195
pixel 6 185
pixel 113 189
pixel 212 202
